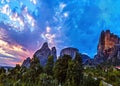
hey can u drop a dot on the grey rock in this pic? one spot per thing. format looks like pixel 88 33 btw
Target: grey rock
pixel 26 62
pixel 54 53
pixel 69 51
pixel 44 52
pixel 84 58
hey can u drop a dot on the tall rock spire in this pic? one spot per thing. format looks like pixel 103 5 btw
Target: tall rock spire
pixel 44 52
pixel 106 46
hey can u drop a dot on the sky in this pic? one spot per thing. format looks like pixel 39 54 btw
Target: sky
pixel 26 24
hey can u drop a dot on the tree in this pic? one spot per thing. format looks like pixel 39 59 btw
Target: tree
pixel 71 74
pixel 2 77
pixel 45 80
pixel 74 71
pixel 90 81
pixel 35 65
pixel 2 70
pixel 60 68
pixel 35 69
pixel 78 69
pixel 49 66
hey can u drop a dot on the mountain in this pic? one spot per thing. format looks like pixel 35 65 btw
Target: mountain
pixel 44 52
pixel 108 47
pixel 69 51
pixel 85 58
pixel 108 50
pixel 26 62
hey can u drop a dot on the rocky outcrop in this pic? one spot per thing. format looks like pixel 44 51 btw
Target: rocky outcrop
pixel 84 58
pixel 107 42
pixel 54 53
pixel 69 51
pixel 106 47
pixel 44 52
pixel 26 62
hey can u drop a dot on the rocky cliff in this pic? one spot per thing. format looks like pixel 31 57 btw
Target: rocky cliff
pixel 106 47
pixel 44 52
pixel 26 62
pixel 86 59
pixel 54 53
pixel 69 51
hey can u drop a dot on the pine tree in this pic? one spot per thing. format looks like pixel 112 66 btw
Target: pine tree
pixel 60 68
pixel 74 71
pixel 49 66
pixel 78 69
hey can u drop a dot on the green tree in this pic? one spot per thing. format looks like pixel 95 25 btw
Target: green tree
pixel 45 80
pixel 71 74
pixel 74 71
pixel 2 77
pixel 35 69
pixel 2 70
pixel 90 81
pixel 49 66
pixel 60 68
pixel 35 65
pixel 78 68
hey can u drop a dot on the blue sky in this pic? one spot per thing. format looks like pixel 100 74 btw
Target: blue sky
pixel 26 24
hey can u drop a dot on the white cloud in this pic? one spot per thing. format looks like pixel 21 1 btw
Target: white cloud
pixel 8 1
pixel 48 29
pixel 66 14
pixel 34 1
pixel 5 10
pixel 2 1
pixel 48 36
pixel 30 20
pixel 62 5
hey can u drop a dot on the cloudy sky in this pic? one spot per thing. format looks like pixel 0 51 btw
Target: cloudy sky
pixel 26 24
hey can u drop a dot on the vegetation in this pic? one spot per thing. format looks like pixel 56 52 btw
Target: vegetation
pixel 103 74
pixel 64 72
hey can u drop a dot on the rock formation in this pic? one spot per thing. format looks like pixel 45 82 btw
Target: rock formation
pixel 106 47
pixel 44 52
pixel 84 58
pixel 69 51
pixel 26 62
pixel 54 53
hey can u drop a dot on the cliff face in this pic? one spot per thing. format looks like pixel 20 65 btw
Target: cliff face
pixel 44 52
pixel 69 51
pixel 54 53
pixel 107 42
pixel 26 62
pixel 106 46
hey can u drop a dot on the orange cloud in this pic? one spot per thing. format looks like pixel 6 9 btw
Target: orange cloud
pixel 11 53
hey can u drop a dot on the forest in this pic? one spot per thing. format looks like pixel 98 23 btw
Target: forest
pixel 63 72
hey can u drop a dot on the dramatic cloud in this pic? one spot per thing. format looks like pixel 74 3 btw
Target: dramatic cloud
pixel 26 24
pixel 11 51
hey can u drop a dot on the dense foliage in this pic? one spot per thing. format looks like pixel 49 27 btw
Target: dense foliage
pixel 64 72
pixel 104 75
